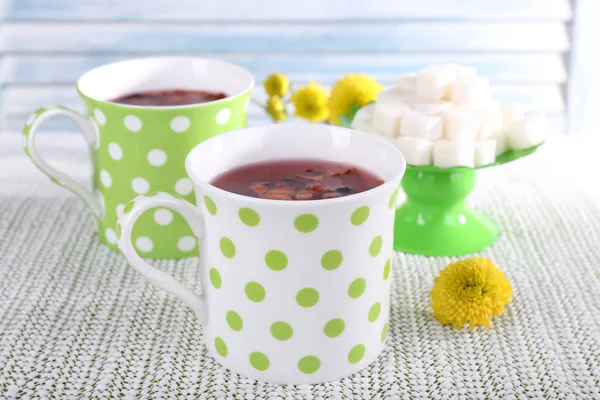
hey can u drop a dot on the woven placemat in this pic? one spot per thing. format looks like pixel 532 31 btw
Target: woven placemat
pixel 77 322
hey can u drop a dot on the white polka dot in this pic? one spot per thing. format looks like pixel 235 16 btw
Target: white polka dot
pixel 180 124
pixel 163 216
pixel 120 208
pixel 223 116
pixel 186 243
pixel 114 151
pixel 96 129
pixel 184 186
pixel 110 235
pixel 133 123
pixel 99 116
pixel 157 157
pixel 140 185
pixel 246 104
pixel 144 244
pixel 31 119
pixel 105 178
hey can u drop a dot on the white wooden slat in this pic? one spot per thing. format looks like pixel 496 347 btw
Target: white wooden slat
pixel 584 87
pixel 422 37
pixel 268 10
pixel 24 99
pixel 499 67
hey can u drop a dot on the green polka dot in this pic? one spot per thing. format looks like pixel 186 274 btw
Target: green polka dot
pixel 249 217
pixel 309 364
pixel 221 347
pixel 215 278
pixel 259 361
pixel 227 247
pixel 375 246
pixel 53 179
pixel 281 330
pixel 211 207
pixel 357 288
pixel 128 207
pixel 307 297
pixel 384 332
pixel 356 354
pixel 360 215
pixel 374 312
pixel 234 321
pixel 334 327
pixel 255 291
pixel 393 198
pixel 119 231
pixel 332 260
pixel 387 269
pixel 306 223
pixel 276 260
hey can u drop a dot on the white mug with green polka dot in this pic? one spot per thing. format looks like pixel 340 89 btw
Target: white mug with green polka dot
pixel 293 292
pixel 136 150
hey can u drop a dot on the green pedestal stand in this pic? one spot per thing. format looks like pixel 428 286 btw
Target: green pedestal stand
pixel 436 219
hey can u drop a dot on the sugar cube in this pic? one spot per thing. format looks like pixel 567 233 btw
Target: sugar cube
pixel 460 123
pixel 500 139
pixel 387 116
pixel 396 96
pixel 434 83
pixel 484 152
pixel 433 106
pixel 490 117
pixel 363 119
pixel 512 113
pixel 416 151
pixel 463 72
pixel 453 153
pixel 471 91
pixel 528 132
pixel 420 124
pixel 407 82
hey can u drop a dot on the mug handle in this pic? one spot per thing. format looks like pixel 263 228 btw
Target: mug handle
pixel 86 128
pixel 131 213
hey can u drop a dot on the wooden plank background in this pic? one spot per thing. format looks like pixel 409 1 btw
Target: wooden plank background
pixel 522 45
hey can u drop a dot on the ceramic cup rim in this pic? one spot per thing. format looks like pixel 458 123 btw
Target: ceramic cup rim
pixel 377 191
pixel 211 61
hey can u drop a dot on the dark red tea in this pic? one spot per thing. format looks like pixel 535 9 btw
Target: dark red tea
pixel 175 97
pixel 297 180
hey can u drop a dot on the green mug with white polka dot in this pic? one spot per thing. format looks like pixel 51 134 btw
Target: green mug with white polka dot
pixel 293 292
pixel 140 149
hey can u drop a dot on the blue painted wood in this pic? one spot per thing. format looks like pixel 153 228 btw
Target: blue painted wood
pixel 504 67
pixel 421 37
pixel 269 10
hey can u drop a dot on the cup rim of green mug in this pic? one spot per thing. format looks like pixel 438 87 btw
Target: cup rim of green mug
pixel 281 129
pixel 89 75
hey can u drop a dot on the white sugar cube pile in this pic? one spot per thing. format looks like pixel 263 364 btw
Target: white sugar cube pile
pixel 444 115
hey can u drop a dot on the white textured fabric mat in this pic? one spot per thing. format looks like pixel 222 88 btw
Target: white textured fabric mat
pixel 77 322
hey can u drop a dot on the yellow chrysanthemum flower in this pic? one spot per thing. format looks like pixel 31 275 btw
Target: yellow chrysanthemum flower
pixel 276 109
pixel 471 290
pixel 352 90
pixel 310 102
pixel 277 85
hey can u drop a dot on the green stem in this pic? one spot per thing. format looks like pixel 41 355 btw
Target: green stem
pixel 258 103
